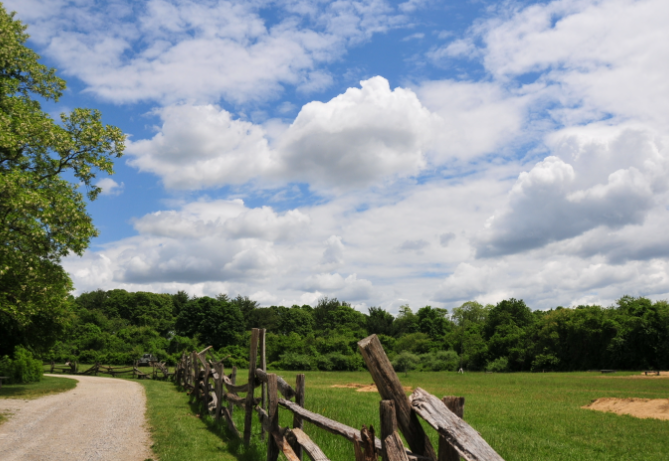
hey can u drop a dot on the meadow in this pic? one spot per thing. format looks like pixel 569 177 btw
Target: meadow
pixel 523 416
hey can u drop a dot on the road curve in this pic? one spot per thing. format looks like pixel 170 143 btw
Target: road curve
pixel 101 419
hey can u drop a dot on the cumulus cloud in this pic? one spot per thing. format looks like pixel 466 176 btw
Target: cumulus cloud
pixel 358 137
pixel 334 285
pixel 333 255
pixel 612 183
pixel 361 137
pixel 110 187
pixel 170 51
pixel 202 146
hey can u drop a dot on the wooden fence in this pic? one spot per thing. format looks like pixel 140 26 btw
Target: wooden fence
pixel 208 383
pixel 159 370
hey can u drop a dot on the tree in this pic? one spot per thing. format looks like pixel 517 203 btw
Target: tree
pixel 42 215
pixel 216 322
pixel 379 321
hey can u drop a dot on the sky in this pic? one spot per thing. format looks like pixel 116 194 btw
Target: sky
pixel 384 153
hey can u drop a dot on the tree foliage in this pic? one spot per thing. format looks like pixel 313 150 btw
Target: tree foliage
pixel 42 215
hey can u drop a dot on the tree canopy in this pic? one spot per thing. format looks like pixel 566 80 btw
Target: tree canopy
pixel 42 214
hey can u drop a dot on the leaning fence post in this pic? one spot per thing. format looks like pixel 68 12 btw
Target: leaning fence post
pixel 392 448
pixel 248 421
pixel 299 399
pixel 390 388
pixel 446 450
pixel 273 412
pixel 263 388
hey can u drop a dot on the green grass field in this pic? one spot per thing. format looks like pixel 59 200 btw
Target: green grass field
pixel 523 416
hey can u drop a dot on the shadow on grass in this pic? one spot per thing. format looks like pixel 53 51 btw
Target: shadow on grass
pixel 255 451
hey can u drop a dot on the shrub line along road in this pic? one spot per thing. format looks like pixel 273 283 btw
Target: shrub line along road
pixel 101 419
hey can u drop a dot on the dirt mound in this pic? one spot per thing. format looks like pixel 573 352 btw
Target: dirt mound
pixel 639 408
pixel 366 387
pixel 643 375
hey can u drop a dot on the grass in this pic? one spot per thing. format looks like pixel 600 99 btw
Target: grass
pixel 523 416
pixel 47 386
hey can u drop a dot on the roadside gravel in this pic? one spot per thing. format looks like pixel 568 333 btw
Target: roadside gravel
pixel 101 419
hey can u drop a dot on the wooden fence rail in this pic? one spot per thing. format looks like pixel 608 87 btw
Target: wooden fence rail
pixel 206 380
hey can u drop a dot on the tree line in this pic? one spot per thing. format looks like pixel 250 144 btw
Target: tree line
pixel 117 326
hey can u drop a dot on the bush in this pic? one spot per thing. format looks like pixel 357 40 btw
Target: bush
pixel 498 365
pixel 441 361
pixel 291 361
pixel 406 361
pixel 22 369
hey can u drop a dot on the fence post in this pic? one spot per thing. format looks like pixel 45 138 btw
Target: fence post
pixel 194 373
pixel 273 412
pixel 218 388
pixel 299 399
pixel 392 448
pixel 248 420
pixel 390 388
pixel 446 450
pixel 263 388
pixel 233 380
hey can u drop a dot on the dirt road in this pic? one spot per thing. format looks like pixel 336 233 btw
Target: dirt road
pixel 101 419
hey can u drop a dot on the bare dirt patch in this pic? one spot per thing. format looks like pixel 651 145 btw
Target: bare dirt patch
pixel 639 408
pixel 366 387
pixel 101 419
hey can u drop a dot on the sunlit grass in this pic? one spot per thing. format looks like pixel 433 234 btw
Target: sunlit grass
pixel 48 385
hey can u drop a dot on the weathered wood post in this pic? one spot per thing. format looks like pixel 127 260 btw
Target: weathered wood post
pixel 195 369
pixel 299 399
pixel 233 380
pixel 248 420
pixel 263 388
pixel 391 443
pixel 218 388
pixel 390 388
pixel 205 389
pixel 446 450
pixel 273 412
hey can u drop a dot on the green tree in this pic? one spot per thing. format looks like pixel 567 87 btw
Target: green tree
pixel 215 322
pixel 406 322
pixel 379 321
pixel 42 215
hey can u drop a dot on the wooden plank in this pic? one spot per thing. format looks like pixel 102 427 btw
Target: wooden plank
pixel 390 388
pixel 446 451
pixel 335 427
pixel 231 423
pixel 253 356
pixel 273 417
pixel 283 446
pixel 299 400
pixel 469 443
pixel 313 450
pixel 392 447
pixel 218 389
pixel 285 389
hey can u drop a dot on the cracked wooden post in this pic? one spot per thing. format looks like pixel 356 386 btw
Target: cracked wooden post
pixel 248 420
pixel 446 450
pixel 273 412
pixel 299 399
pixel 233 380
pixel 218 388
pixel 390 388
pixel 263 387
pixel 391 443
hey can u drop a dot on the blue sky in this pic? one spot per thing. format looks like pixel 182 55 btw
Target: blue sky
pixel 385 153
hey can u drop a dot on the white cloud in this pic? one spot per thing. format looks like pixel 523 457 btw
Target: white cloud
pixel 334 285
pixel 333 255
pixel 612 182
pixel 110 187
pixel 172 51
pixel 361 137
pixel 202 146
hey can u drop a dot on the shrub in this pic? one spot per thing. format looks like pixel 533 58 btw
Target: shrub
pixel 291 361
pixel 22 369
pixel 441 361
pixel 406 361
pixel 498 365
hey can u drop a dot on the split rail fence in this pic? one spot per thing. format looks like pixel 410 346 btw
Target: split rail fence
pixel 207 382
pixel 158 369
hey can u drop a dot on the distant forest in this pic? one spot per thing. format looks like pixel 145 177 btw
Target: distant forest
pixel 117 326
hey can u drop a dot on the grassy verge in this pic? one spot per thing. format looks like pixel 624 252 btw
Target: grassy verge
pixel 48 385
pixel 523 416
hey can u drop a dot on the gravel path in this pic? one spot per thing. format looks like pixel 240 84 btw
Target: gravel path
pixel 100 419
